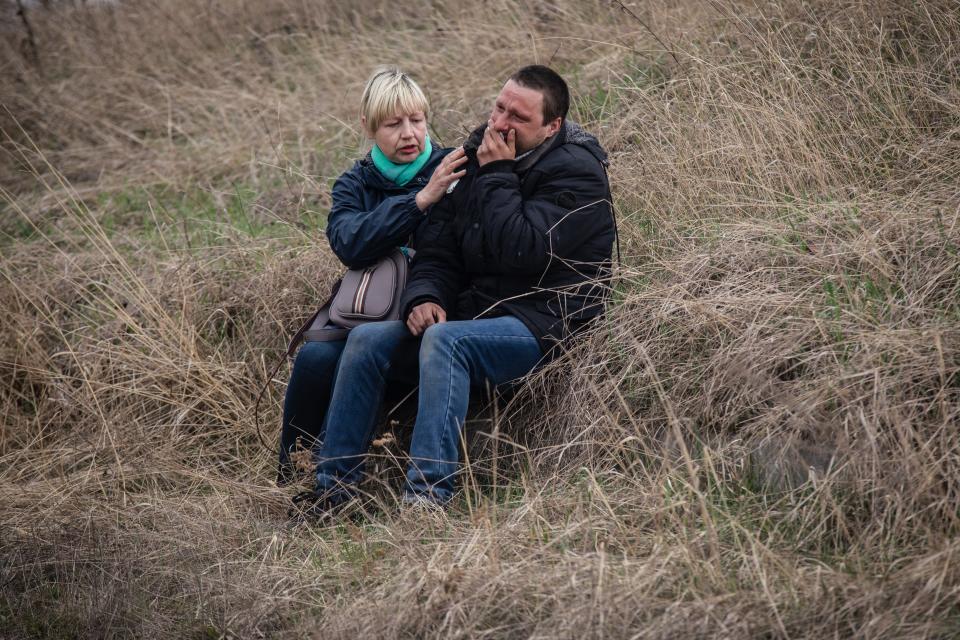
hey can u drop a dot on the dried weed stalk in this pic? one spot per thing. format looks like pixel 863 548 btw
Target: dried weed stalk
pixel 758 441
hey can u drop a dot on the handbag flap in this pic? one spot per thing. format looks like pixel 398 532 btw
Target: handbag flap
pixel 367 294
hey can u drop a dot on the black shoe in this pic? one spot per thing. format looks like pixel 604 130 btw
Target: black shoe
pixel 286 474
pixel 318 507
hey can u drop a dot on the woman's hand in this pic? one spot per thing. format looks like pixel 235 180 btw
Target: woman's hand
pixel 423 315
pixel 443 176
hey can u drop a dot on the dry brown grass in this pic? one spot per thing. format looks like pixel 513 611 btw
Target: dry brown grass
pixel 759 442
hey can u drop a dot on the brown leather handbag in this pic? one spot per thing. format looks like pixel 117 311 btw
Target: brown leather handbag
pixel 362 295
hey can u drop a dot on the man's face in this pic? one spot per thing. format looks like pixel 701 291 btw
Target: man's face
pixel 521 109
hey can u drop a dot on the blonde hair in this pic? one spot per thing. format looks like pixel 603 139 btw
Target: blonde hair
pixel 390 91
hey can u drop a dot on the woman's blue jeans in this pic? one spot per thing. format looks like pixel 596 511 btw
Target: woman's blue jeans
pixel 452 357
pixel 308 395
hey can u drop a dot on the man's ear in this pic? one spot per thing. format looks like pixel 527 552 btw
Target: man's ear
pixel 554 126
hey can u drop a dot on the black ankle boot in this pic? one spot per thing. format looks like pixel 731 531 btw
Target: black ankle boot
pixel 286 474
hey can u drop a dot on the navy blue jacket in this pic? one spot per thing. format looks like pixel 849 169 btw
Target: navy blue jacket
pixel 371 215
pixel 530 238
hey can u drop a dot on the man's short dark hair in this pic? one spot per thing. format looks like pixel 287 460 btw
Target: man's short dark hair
pixel 556 95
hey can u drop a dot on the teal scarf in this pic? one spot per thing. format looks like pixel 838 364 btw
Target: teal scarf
pixel 401 174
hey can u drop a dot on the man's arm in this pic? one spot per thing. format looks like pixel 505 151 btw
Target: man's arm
pixel 437 273
pixel 569 207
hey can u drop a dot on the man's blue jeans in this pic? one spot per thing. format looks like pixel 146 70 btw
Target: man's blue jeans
pixel 452 357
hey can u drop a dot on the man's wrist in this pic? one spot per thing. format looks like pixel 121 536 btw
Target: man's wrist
pixel 497 166
pixel 413 304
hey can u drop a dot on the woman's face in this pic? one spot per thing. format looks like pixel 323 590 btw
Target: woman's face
pixel 401 137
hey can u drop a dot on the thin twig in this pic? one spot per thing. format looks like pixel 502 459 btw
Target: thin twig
pixel 31 39
pixel 633 15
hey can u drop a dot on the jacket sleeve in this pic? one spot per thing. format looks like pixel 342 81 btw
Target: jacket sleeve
pixel 569 207
pixel 360 237
pixel 437 273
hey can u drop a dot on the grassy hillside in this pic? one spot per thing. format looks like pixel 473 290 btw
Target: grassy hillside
pixel 760 441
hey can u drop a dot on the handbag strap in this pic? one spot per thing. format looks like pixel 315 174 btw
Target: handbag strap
pixel 323 313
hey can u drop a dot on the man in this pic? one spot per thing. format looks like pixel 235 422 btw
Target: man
pixel 510 264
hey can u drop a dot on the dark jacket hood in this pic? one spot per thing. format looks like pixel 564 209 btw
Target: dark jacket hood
pixel 571 133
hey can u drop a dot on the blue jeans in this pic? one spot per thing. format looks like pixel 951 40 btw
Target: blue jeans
pixel 452 356
pixel 308 395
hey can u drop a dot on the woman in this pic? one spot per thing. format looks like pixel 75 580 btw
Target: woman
pixel 377 205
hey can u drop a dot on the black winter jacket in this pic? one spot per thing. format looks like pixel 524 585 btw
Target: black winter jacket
pixel 530 238
pixel 371 215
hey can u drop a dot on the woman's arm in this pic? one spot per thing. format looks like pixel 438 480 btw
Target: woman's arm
pixel 359 237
